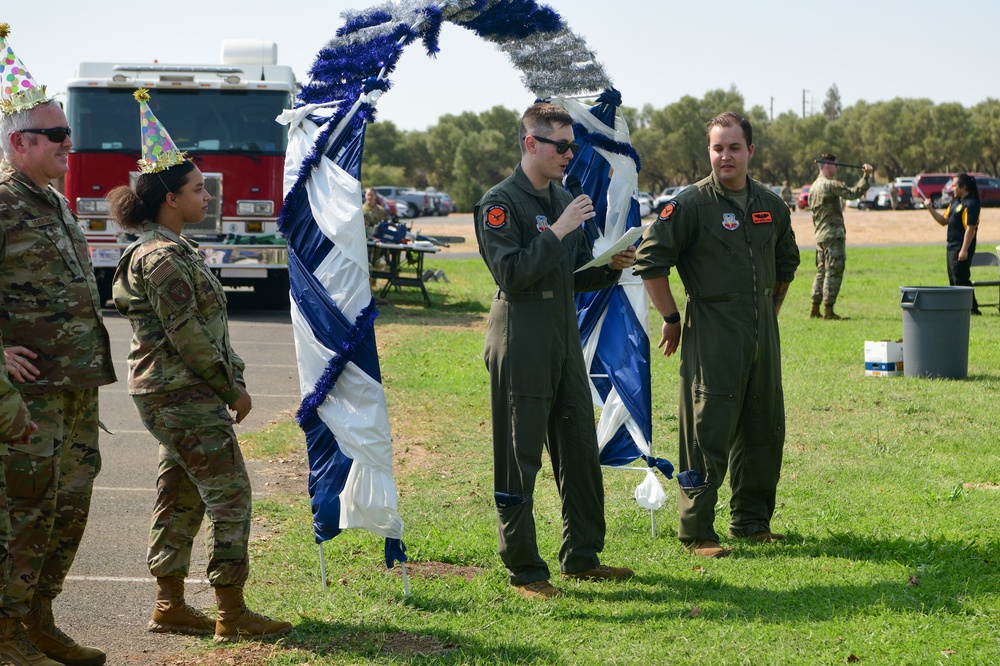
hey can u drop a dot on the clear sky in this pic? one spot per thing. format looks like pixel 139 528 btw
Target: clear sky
pixel 655 51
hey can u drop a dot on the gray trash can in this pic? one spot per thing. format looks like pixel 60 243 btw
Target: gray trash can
pixel 936 331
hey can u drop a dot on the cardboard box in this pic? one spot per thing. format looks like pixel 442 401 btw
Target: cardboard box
pixel 883 358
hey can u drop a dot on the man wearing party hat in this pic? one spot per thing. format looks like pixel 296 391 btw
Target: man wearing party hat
pixel 184 378
pixel 58 355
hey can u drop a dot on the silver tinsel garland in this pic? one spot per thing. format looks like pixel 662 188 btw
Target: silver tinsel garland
pixel 550 63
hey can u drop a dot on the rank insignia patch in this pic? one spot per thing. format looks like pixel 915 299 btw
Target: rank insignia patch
pixel 730 222
pixel 496 217
pixel 761 218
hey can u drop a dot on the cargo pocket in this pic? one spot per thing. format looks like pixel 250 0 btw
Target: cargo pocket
pixel 203 439
pixel 29 476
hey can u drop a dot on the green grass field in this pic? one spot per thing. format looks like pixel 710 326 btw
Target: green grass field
pixel 889 495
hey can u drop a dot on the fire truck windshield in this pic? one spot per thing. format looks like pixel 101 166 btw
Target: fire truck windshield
pixel 200 120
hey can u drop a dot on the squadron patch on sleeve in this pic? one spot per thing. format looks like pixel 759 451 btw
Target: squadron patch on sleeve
pixel 496 217
pixel 668 210
pixel 178 290
pixel 761 218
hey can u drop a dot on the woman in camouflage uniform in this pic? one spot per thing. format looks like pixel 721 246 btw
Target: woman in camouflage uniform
pixel 184 378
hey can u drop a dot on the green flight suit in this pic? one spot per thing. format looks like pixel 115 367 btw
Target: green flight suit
pixel 825 202
pixel 539 385
pixel 183 372
pixel 731 403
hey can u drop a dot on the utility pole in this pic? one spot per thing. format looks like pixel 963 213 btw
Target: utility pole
pixel 804 91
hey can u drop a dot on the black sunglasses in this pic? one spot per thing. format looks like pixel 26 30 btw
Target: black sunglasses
pixel 561 146
pixel 53 134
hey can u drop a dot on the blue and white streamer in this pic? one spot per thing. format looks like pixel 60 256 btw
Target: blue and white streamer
pixel 614 322
pixel 343 411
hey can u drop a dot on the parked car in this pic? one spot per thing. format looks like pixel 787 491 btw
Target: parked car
pixel 441 203
pixel 389 204
pixel 666 195
pixel 777 190
pixel 447 205
pixel 645 200
pixel 409 202
pixel 803 201
pixel 989 191
pixel 869 201
pixel 931 184
pixel 905 197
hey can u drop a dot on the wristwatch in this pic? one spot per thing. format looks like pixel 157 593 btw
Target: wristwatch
pixel 672 318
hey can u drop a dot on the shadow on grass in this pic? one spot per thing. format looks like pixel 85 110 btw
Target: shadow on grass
pixel 658 597
pixel 928 581
pixel 400 645
pixel 441 304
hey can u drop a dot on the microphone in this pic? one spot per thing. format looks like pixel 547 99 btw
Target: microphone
pixel 575 188
pixel 574 185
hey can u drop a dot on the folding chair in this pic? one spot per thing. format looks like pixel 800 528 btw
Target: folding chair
pixel 985 258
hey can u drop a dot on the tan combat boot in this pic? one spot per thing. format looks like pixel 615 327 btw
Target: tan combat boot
pixel 815 313
pixel 172 615
pixel 43 632
pixel 830 315
pixel 16 648
pixel 237 622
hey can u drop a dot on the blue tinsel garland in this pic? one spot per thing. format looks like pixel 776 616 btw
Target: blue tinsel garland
pixel 433 30
pixel 367 20
pixel 512 20
pixel 362 327
pixel 604 143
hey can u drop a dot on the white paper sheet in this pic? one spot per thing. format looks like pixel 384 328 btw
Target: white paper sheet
pixel 627 239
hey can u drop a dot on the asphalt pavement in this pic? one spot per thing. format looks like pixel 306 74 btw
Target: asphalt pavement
pixel 108 597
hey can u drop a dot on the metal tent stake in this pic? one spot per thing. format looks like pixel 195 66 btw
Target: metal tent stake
pixel 322 568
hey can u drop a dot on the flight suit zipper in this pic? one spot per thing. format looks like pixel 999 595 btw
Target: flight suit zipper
pixel 753 280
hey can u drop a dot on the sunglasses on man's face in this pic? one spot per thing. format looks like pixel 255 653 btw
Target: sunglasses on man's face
pixel 561 146
pixel 53 134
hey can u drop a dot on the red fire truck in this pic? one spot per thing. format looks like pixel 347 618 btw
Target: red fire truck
pixel 224 117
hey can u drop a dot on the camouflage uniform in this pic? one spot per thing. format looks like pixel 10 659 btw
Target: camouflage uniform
pixel 14 418
pixel 183 373
pixel 49 304
pixel 786 195
pixel 828 222
pixel 14 422
pixel 374 215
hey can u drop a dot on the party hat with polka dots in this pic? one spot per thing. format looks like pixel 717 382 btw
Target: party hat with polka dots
pixel 20 92
pixel 158 150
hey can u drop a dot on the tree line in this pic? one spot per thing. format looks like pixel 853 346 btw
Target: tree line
pixel 466 154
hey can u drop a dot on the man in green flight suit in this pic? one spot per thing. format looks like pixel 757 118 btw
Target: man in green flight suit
pixel 831 237
pixel 529 234
pixel 732 243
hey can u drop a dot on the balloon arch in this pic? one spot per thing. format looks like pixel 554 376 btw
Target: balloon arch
pixel 343 410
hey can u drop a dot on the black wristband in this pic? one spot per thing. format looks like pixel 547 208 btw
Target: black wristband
pixel 672 318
